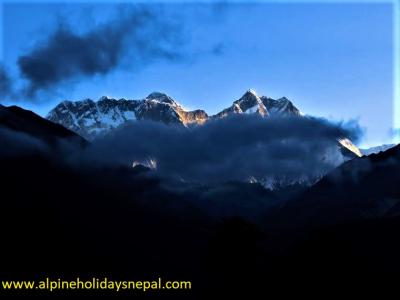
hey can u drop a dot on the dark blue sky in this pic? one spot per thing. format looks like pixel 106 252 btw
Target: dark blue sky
pixel 331 59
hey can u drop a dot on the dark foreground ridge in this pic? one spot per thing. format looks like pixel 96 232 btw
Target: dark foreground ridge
pixel 56 216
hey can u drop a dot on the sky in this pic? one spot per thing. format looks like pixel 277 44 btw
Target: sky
pixel 333 60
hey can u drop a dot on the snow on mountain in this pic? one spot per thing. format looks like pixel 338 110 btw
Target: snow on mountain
pixel 280 107
pixel 90 118
pixel 377 149
pixel 349 148
pixel 160 107
pixel 249 103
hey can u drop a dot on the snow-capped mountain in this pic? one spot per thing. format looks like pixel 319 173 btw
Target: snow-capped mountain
pixel 90 118
pixel 281 107
pixel 251 103
pixel 377 149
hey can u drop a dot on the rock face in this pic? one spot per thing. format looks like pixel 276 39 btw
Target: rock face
pixel 90 118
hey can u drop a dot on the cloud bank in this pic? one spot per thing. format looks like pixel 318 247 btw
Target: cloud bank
pixel 233 148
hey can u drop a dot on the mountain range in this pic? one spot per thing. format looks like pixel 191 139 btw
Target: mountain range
pixel 89 118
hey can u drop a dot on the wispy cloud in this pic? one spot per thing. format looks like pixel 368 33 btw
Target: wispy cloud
pixel 140 33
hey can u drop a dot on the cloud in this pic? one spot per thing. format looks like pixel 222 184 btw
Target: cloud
pixel 5 82
pixel 232 148
pixel 395 134
pixel 18 143
pixel 138 35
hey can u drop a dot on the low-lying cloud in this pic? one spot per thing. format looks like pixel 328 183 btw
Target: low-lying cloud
pixel 19 144
pixel 233 148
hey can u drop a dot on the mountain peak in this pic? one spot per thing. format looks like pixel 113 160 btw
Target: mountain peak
pixel 156 95
pixel 249 103
pixel 65 102
pixel 249 96
pixel 102 98
pixel 251 91
pixel 281 107
pixel 161 97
